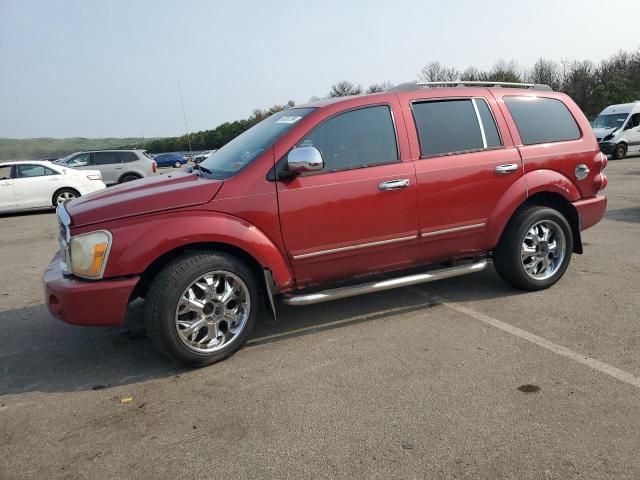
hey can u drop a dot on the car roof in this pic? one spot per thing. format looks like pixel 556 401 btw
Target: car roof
pixel 46 163
pixel 621 108
pixel 412 88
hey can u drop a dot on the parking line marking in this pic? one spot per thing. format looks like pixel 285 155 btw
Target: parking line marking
pixel 549 345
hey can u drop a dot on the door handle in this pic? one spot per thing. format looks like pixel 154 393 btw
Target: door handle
pixel 394 184
pixel 507 168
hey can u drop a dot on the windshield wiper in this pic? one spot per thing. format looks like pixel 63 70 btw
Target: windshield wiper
pixel 205 171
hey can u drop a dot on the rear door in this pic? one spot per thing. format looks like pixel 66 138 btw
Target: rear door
pixel 358 214
pixel 464 165
pixel 7 196
pixel 109 165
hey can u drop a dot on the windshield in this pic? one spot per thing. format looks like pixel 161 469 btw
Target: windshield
pixel 610 121
pixel 242 150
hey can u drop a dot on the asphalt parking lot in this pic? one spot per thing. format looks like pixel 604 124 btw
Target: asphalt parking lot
pixel 465 378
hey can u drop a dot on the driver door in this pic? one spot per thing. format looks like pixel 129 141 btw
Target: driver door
pixel 357 215
pixel 633 133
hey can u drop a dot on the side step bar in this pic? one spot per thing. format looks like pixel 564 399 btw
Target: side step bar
pixel 352 291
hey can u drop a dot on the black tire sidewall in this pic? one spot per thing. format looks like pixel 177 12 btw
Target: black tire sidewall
pixel 60 192
pixel 623 152
pixel 534 217
pixel 164 312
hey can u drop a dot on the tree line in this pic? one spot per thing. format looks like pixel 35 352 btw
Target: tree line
pixel 593 86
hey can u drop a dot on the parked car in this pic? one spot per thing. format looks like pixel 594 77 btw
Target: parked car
pixel 170 160
pixel 617 129
pixel 31 185
pixel 117 166
pixel 445 179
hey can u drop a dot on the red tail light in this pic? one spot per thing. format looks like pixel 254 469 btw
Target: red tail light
pixel 602 160
pixel 154 167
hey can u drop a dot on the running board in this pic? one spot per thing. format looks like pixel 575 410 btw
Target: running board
pixel 352 291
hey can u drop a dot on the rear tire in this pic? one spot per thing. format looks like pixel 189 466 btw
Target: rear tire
pixel 177 165
pixel 189 311
pixel 64 195
pixel 535 248
pixel 129 178
pixel 620 151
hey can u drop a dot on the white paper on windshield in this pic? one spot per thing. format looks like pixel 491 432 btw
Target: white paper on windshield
pixel 289 119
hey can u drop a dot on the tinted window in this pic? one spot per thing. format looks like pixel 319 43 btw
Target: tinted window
pixel 25 171
pixel 355 139
pixel 634 121
pixel 488 123
pixel 5 172
pixel 447 126
pixel 542 120
pixel 105 158
pixel 127 156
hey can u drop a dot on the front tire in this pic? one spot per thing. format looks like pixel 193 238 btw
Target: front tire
pixel 64 195
pixel 620 151
pixel 201 307
pixel 129 178
pixel 535 248
pixel 177 165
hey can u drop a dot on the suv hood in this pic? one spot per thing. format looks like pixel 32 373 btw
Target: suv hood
pixel 147 195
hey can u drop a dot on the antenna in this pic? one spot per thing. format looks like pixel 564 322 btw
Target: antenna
pixel 184 115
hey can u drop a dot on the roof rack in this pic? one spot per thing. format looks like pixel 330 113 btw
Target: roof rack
pixel 469 83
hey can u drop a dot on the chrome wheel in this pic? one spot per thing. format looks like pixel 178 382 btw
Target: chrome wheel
pixel 543 249
pixel 177 165
pixel 212 311
pixel 65 197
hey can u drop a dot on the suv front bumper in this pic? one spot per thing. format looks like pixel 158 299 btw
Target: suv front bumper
pixel 86 302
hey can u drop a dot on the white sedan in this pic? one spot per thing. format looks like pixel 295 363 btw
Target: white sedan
pixel 30 185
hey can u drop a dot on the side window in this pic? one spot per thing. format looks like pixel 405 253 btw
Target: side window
pixel 105 158
pixel 357 138
pixel 488 123
pixel 5 172
pixel 80 160
pixel 48 171
pixel 542 120
pixel 447 126
pixel 27 171
pixel 634 121
pixel 127 157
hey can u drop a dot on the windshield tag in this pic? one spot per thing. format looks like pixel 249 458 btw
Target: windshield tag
pixel 289 119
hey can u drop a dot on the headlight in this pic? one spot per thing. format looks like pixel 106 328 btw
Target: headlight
pixel 89 254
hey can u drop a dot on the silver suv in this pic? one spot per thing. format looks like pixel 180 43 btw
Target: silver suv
pixel 116 166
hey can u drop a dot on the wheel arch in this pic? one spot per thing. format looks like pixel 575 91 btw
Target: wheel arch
pixel 126 174
pixel 152 270
pixel 539 187
pixel 55 194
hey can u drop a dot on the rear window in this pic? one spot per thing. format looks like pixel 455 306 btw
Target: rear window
pixel 542 120
pixel 127 156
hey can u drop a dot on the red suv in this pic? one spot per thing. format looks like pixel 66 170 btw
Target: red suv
pixel 335 190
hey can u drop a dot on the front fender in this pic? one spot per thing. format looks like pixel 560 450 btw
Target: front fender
pixel 138 242
pixel 525 187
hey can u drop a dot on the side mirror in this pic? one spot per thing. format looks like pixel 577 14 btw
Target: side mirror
pixel 304 159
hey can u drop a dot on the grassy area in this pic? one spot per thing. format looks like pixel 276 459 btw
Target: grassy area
pixel 37 148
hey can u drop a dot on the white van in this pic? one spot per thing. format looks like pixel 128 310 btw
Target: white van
pixel 617 129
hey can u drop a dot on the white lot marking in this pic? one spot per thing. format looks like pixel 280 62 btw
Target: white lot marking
pixel 549 345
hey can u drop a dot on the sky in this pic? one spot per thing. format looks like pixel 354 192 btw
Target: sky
pixel 93 68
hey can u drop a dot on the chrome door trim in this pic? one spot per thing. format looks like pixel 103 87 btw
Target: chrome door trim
pixel 354 247
pixel 454 229
pixel 506 168
pixel 394 184
pixel 475 108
